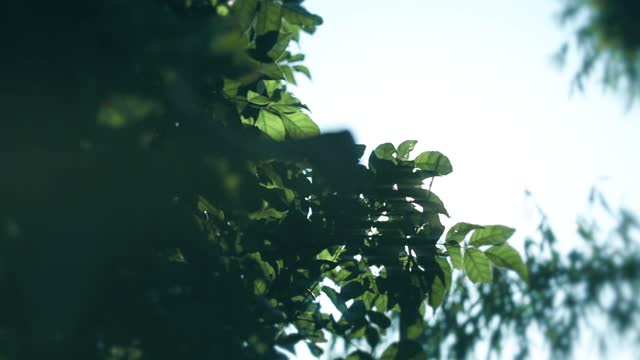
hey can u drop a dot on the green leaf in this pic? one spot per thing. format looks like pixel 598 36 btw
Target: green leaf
pixel 260 286
pixel 271 125
pixel 355 313
pixel 368 298
pixel 297 15
pixel 269 18
pixel 269 87
pixel 351 290
pixel 415 330
pixel 359 355
pixel 405 148
pixel 245 10
pixel 230 87
pixel 267 214
pixel 288 74
pixel 477 266
pixel 272 71
pixel 459 231
pixel 257 99
pixel 300 126
pixel 287 104
pixel 373 337
pixel 507 257
pixel 288 99
pixel 325 254
pixel 296 58
pixel 357 333
pixel 405 350
pixel 391 352
pixel 432 202
pixel 386 152
pixel 315 349
pixel 455 254
pixel 433 228
pixel 280 47
pixel 206 206
pixel 441 284
pixel 335 298
pixel 491 235
pixel 303 69
pixel 379 319
pixel 381 303
pixel 434 161
pixel 289 341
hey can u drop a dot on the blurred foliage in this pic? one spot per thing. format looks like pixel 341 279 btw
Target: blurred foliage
pixel 607 36
pixel 593 287
pixel 164 195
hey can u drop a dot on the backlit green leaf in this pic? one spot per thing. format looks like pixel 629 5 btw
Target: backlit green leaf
pixel 459 231
pixel 491 235
pixel 507 257
pixel 303 69
pixel 288 74
pixel 272 71
pixel 296 57
pixel 477 266
pixel 390 353
pixel 455 254
pixel 434 161
pixel 280 46
pixel 222 10
pixel 300 126
pixel 256 98
pixel 269 17
pixel 386 152
pixel 231 87
pixel 381 303
pixel 271 125
pixel 269 87
pixel 415 330
pixel 405 148
pixel 297 15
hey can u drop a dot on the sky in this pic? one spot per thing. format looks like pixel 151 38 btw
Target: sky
pixel 476 81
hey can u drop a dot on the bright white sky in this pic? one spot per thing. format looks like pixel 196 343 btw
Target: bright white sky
pixel 474 80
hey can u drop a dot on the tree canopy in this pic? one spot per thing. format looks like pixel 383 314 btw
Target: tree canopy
pixel 165 195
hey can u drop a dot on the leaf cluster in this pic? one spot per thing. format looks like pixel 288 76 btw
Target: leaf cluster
pixel 165 195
